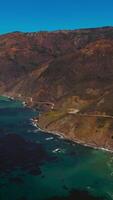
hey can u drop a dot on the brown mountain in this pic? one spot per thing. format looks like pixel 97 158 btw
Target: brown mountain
pixel 72 70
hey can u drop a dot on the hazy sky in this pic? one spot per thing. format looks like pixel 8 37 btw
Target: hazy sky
pixel 35 15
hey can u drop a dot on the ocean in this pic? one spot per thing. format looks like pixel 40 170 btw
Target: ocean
pixel 35 165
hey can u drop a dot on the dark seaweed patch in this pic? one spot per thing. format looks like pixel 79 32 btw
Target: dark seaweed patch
pixel 78 195
pixel 16 180
pixel 16 152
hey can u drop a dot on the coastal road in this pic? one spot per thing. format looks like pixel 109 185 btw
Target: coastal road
pixel 91 115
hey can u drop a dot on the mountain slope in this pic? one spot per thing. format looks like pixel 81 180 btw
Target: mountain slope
pixel 72 70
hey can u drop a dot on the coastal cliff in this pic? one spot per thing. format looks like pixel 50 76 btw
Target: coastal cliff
pixel 66 74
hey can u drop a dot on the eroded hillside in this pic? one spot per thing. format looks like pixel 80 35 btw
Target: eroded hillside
pixel 67 73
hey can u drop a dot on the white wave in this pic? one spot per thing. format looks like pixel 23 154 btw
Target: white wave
pixel 24 104
pixel 49 138
pixel 33 123
pixel 56 150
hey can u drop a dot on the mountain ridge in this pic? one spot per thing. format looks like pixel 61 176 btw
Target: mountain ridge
pixel 71 70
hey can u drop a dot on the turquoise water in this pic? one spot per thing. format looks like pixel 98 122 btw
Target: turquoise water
pixel 38 166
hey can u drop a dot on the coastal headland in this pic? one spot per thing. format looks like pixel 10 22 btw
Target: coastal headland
pixel 67 76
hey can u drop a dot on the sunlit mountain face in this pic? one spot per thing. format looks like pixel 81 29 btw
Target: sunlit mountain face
pixel 65 79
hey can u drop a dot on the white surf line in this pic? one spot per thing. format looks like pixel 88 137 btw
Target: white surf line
pixel 76 141
pixel 92 146
pixel 16 98
pixel 9 97
pixel 34 123
pixel 62 136
pixel 55 133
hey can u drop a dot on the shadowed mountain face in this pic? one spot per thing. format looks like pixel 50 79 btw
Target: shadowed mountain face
pixel 73 70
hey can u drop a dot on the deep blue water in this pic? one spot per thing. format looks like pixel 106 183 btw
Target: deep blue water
pixel 39 166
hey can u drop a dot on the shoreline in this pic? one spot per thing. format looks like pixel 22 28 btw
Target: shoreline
pixel 64 137
pixel 76 141
pixel 59 134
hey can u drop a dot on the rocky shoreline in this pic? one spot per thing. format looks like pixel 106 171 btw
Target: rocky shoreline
pixel 35 122
pixel 76 141
pixel 70 139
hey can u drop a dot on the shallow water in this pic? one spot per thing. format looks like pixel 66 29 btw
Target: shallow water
pixel 36 166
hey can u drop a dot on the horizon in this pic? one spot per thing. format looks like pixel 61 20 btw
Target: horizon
pixel 35 15
pixel 56 30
